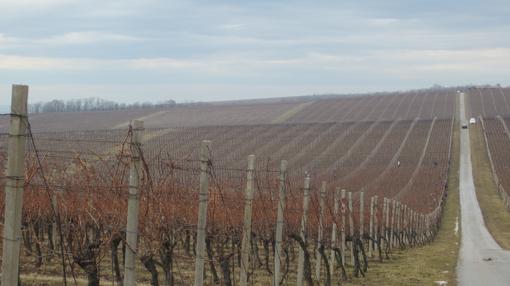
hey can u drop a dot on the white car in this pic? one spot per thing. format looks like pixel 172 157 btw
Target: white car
pixel 472 120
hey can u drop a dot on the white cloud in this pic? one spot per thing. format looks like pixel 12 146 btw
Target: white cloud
pixel 87 37
pixel 23 63
pixel 19 6
pixel 383 21
pixel 234 64
pixel 232 27
pixel 66 39
pixel 6 41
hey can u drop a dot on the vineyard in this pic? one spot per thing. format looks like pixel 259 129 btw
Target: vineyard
pixel 492 107
pixel 304 192
pixel 488 102
pixel 425 104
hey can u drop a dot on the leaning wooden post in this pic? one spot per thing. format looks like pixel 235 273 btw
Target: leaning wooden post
pixel 203 199
pixel 351 226
pixel 336 200
pixel 304 222
pixel 320 234
pixel 371 228
pixel 279 224
pixel 248 201
pixel 14 185
pixel 133 206
pixel 342 229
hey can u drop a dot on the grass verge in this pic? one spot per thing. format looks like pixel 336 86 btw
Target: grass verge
pixel 496 216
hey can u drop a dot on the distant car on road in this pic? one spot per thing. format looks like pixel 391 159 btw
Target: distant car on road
pixel 472 120
pixel 464 126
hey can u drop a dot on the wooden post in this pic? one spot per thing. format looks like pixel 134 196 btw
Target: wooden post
pixel 342 229
pixel 203 199
pixel 376 221
pixel 336 200
pixel 419 228
pixel 422 228
pixel 392 224
pixel 411 226
pixel 387 222
pixel 248 201
pixel 304 222
pixel 406 224
pixel 397 223
pixel 14 185
pixel 383 221
pixel 320 234
pixel 54 229
pixel 361 216
pixel 351 226
pixel 403 220
pixel 279 224
pixel 371 228
pixel 133 206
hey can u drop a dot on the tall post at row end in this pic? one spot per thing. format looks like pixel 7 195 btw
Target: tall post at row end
pixel 133 205
pixel 248 201
pixel 351 225
pixel 320 234
pixel 371 229
pixel 302 234
pixel 334 230
pixel 343 229
pixel 15 180
pixel 279 224
pixel 203 199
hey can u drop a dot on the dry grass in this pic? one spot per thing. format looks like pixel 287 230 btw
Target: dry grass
pixel 496 216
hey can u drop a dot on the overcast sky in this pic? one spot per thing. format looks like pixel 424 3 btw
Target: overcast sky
pixel 139 50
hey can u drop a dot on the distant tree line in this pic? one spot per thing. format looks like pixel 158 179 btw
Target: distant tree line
pixel 92 104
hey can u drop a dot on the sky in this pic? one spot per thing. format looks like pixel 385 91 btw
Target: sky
pixel 149 50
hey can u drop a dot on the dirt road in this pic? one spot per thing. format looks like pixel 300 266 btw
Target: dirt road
pixel 481 259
